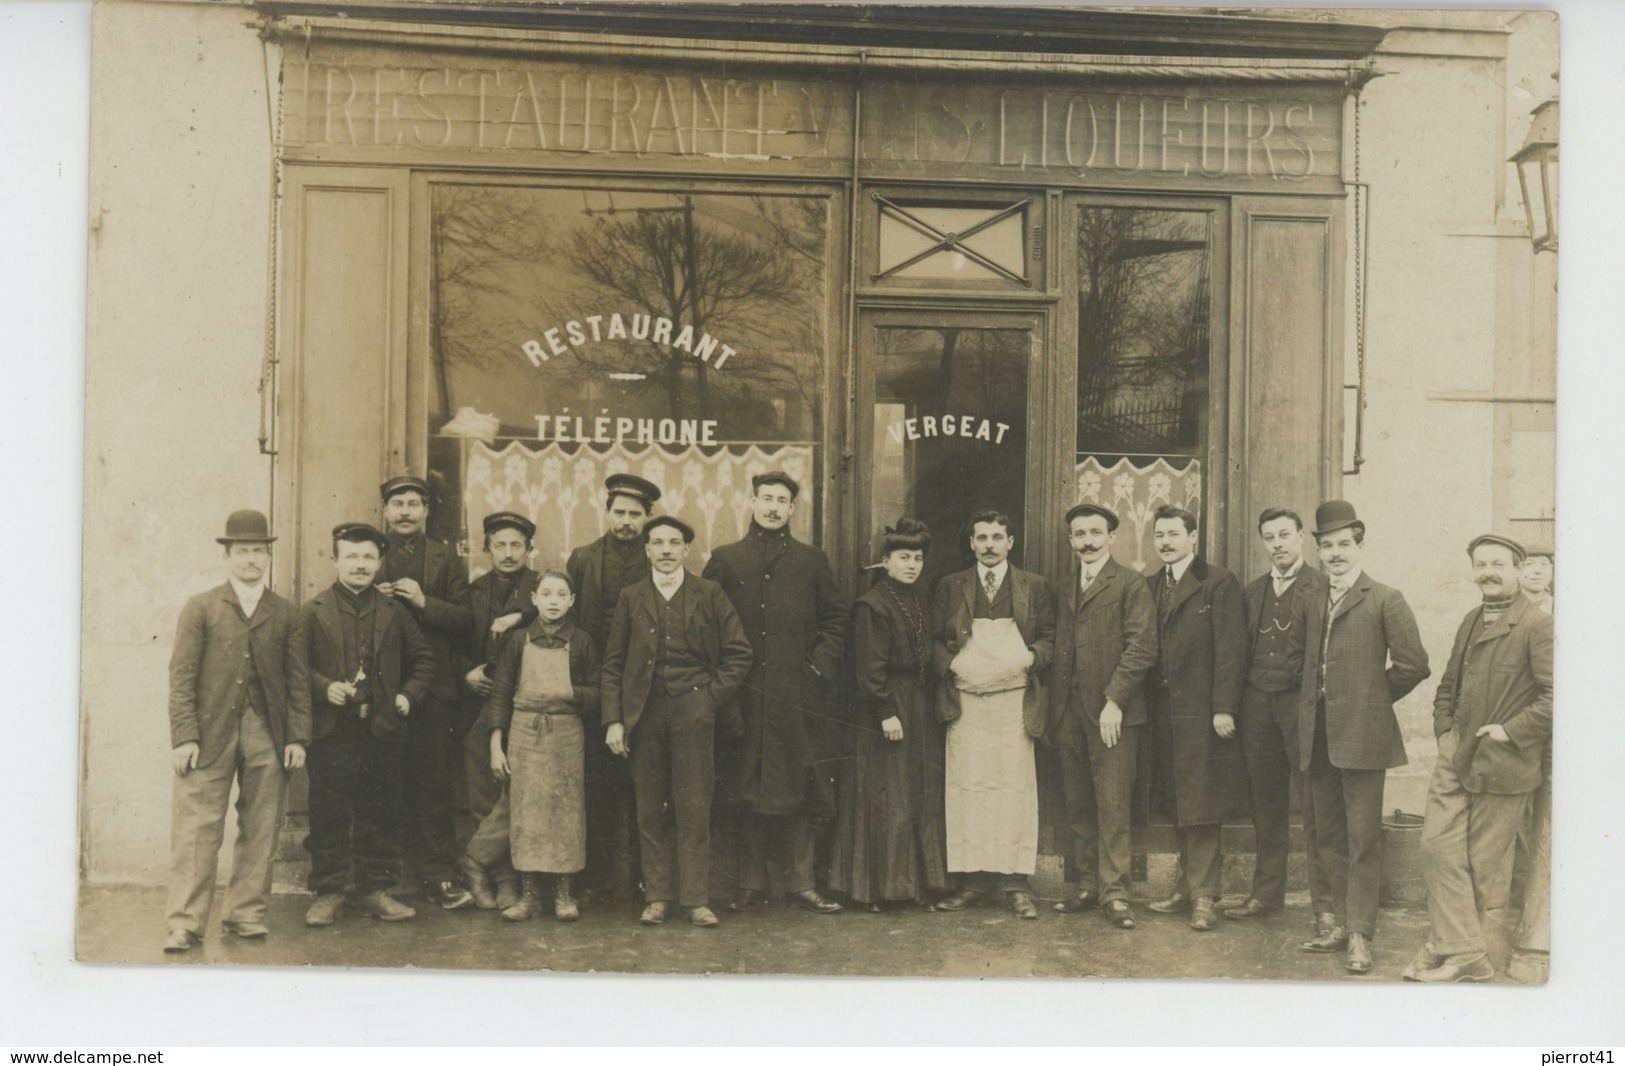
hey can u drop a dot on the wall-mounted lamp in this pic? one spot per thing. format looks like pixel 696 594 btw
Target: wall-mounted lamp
pixel 1537 176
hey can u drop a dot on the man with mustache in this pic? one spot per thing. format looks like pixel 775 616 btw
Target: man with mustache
pixel 675 660
pixel 796 619
pixel 599 571
pixel 428 578
pixel 230 720
pixel 1364 655
pixel 1269 710
pixel 1105 642
pixel 993 632
pixel 1492 715
pixel 1195 696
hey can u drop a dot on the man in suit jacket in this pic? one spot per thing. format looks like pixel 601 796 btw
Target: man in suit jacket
pixel 1365 655
pixel 993 820
pixel 599 571
pixel 1195 697
pixel 1105 642
pixel 229 720
pixel 358 670
pixel 796 620
pixel 499 602
pixel 1276 626
pixel 1492 714
pixel 675 660
pixel 428 577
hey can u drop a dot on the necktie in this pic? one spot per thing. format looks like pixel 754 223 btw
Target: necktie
pixel 1168 582
pixel 991 584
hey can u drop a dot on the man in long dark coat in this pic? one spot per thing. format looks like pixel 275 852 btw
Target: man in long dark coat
pixel 1195 690
pixel 500 602
pixel 796 619
pixel 427 577
pixel 599 571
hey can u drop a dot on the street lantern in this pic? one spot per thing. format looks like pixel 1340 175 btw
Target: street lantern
pixel 1537 176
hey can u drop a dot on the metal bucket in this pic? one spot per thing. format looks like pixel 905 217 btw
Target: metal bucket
pixel 1402 883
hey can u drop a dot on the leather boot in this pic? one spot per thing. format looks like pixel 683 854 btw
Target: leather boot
pixel 507 888
pixel 530 900
pixel 478 879
pixel 564 904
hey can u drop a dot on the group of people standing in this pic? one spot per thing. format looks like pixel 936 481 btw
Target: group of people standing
pixel 625 720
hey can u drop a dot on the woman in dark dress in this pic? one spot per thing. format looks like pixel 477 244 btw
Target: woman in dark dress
pixel 889 842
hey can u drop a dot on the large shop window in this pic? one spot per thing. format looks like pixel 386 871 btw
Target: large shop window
pixel 582 331
pixel 1144 356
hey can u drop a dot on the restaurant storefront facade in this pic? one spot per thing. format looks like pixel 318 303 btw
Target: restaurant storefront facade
pixel 924 261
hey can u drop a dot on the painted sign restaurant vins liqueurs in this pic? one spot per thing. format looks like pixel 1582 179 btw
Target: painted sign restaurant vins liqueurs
pixel 360 104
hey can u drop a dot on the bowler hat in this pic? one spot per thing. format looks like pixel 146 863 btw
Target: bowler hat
pixel 633 486
pixel 1094 508
pixel 775 477
pixel 246 527
pixel 1334 515
pixel 509 520
pixel 669 520
pixel 355 532
pixel 403 483
pixel 1519 552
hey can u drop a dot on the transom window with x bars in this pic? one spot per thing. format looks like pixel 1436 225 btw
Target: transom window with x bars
pixel 952 241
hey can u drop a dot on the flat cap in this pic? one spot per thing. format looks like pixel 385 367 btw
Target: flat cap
pixel 1545 551
pixel 633 486
pixel 403 483
pixel 1094 508
pixel 356 532
pixel 775 477
pixel 669 520
pixel 1519 552
pixel 509 520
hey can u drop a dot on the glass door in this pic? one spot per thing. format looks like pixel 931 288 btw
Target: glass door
pixel 949 404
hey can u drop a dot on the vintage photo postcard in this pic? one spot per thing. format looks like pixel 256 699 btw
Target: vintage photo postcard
pixel 806 489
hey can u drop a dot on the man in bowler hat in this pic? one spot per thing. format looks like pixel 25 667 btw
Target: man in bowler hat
pixel 500 602
pixel 359 669
pixel 1364 655
pixel 230 720
pixel 1492 715
pixel 599 571
pixel 1105 644
pixel 429 579
pixel 674 663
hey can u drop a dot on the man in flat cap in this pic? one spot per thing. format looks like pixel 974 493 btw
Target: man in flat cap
pixel 1105 643
pixel 599 571
pixel 1535 577
pixel 674 663
pixel 500 602
pixel 1276 623
pixel 1195 701
pixel 428 578
pixel 1365 654
pixel 359 670
pixel 796 620
pixel 230 720
pixel 1492 714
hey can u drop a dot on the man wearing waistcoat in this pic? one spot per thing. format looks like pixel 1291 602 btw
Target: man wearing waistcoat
pixel 1105 642
pixel 796 620
pixel 1276 611
pixel 428 578
pixel 1365 656
pixel 500 602
pixel 1493 717
pixel 230 720
pixel 358 670
pixel 599 571
pixel 674 663
pixel 1195 696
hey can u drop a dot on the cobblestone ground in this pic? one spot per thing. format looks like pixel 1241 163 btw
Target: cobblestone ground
pixel 127 925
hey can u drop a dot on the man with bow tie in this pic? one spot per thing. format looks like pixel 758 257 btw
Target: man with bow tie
pixel 1364 656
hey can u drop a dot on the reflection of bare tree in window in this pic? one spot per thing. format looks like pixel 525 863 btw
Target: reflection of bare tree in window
pixel 1143 344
